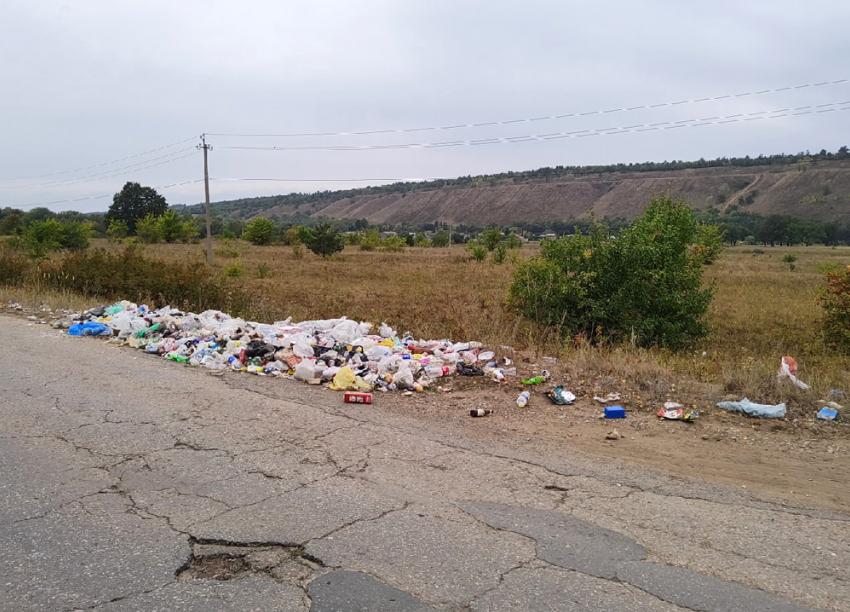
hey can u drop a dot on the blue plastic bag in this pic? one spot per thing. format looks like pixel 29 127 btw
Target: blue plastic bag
pixel 89 328
pixel 745 406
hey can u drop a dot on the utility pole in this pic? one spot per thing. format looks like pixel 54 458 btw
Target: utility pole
pixel 206 148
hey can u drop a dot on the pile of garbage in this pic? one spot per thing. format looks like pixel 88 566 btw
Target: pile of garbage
pixel 340 351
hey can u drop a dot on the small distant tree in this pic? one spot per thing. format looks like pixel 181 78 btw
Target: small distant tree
pixel 260 231
pixel 171 225
pixel 134 203
pixel 513 242
pixel 324 240
pixel 149 229
pixel 490 237
pixel 10 223
pixel 42 237
pixel 117 230
pixel 393 244
pixel 440 239
pixel 189 232
pixel 371 240
pixel 75 235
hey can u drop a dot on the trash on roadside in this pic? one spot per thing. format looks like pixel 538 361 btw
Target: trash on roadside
pixel 523 398
pixel 353 397
pixel 832 405
pixel 89 328
pixel 613 435
pixel 611 397
pixel 534 381
pixel 672 405
pixel 561 396
pixel 788 369
pixel 826 414
pixel 615 412
pixel 480 412
pixel 678 414
pixel 765 411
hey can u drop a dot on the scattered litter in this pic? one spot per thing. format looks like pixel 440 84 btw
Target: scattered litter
pixel 788 369
pixel 615 412
pixel 508 362
pixel 678 414
pixel 672 405
pixel 550 359
pixel 480 412
pixel 613 435
pixel 745 406
pixel 837 393
pixel 444 389
pixel 538 379
pixel 523 398
pixel 89 328
pixel 826 414
pixel 561 396
pixel 353 397
pixel 611 397
pixel 831 404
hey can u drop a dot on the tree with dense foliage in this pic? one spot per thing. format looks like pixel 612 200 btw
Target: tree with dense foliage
pixel 644 286
pixel 324 240
pixel 135 202
pixel 490 237
pixel 440 238
pixel 260 231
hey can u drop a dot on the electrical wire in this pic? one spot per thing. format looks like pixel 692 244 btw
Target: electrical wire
pixel 109 163
pixel 533 119
pixel 662 125
pixel 107 174
pixel 99 197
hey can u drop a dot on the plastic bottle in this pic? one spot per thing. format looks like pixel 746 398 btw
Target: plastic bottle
pixel 523 398
pixel 480 412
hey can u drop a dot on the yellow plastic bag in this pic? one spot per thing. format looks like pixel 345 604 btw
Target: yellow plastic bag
pixel 345 380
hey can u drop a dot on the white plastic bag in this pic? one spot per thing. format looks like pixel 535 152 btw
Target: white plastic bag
pixel 386 331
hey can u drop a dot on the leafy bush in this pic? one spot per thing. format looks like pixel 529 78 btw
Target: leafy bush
pixel 835 300
pixel 260 231
pixel 13 266
pixel 324 240
pixel 490 237
pixel 645 286
pixel 117 230
pixel 149 229
pixel 499 254
pixel 789 258
pixel 513 242
pixel 708 243
pixel 233 269
pixel 440 239
pixel 371 240
pixel 479 252
pixel 393 244
pixel 263 271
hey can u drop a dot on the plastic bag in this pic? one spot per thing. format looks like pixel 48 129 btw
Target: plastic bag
pixel 386 331
pixel 788 369
pixel 345 380
pixel 304 370
pixel 745 406
pixel 89 328
pixel 404 377
pixel 561 396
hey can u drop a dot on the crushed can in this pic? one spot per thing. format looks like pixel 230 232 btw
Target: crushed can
pixel 354 397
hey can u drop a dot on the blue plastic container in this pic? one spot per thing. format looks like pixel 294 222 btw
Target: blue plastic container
pixel 615 412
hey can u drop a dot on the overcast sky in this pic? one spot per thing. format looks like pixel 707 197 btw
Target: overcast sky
pixel 86 83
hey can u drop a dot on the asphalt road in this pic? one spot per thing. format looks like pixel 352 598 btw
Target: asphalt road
pixel 131 483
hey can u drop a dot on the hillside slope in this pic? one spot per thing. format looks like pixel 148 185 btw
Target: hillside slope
pixel 818 191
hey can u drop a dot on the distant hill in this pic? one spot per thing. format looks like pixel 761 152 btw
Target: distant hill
pixel 815 187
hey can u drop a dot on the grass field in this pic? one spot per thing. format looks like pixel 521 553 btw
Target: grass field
pixel 763 309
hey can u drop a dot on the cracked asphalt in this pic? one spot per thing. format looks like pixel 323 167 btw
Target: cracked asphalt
pixel 121 474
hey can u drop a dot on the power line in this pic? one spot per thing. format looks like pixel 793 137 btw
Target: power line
pixel 315 180
pixel 100 197
pixel 534 119
pixel 107 174
pixel 109 163
pixel 643 127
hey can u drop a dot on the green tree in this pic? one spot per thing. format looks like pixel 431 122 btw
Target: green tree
pixel 149 229
pixel 440 239
pixel 371 240
pixel 645 286
pixel 134 203
pixel 513 242
pixel 260 231
pixel 10 223
pixel 117 229
pixel 189 231
pixel 324 240
pixel 38 214
pixel 42 237
pixel 172 226
pixel 490 237
pixel 75 235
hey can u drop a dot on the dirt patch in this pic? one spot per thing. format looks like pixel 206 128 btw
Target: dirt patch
pixel 798 458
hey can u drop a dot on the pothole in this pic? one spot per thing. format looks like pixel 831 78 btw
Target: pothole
pixel 218 560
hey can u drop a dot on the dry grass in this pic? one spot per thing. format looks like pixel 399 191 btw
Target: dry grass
pixel 762 310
